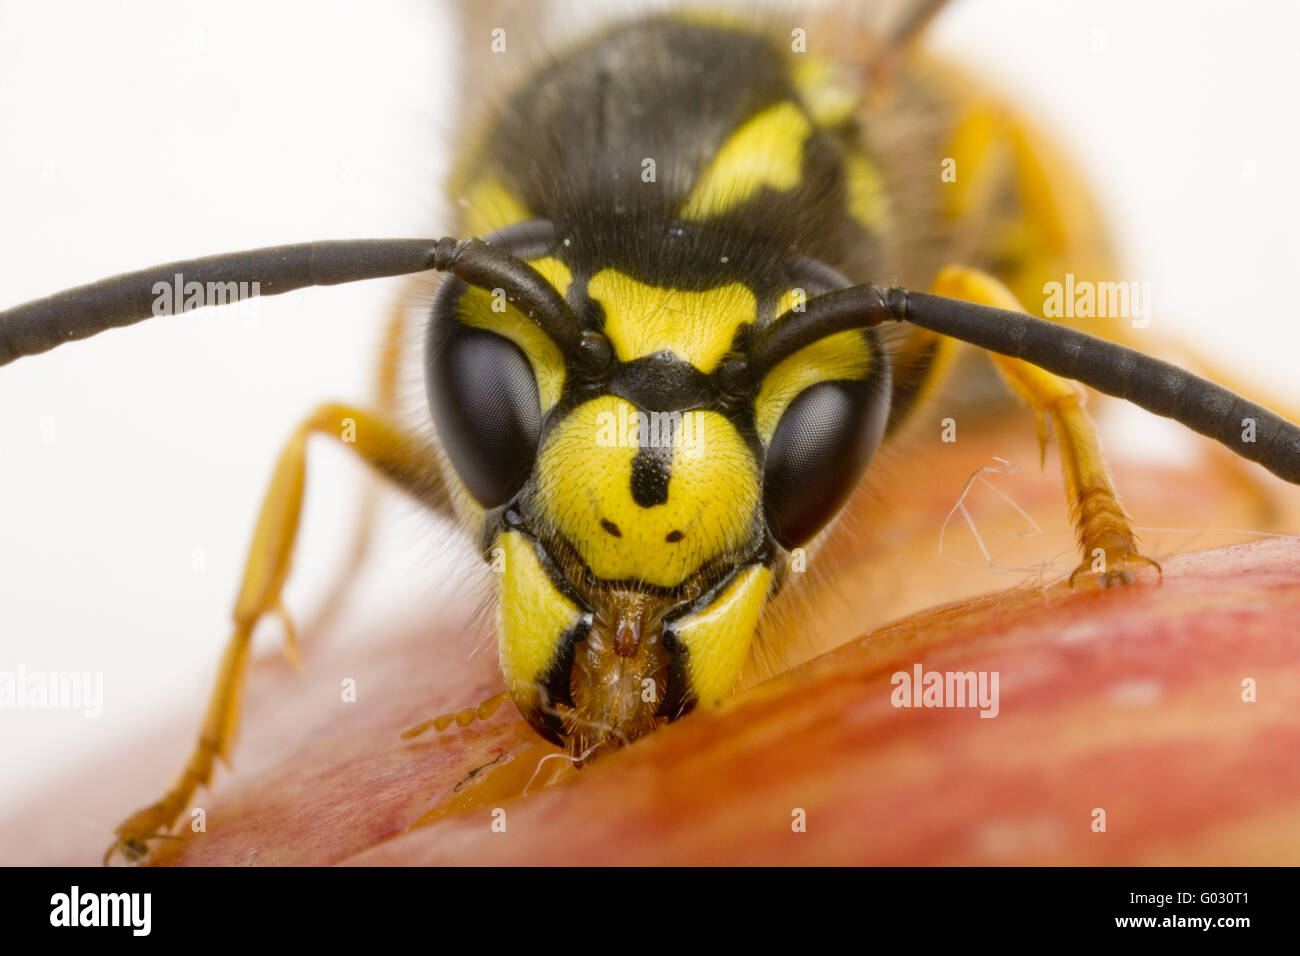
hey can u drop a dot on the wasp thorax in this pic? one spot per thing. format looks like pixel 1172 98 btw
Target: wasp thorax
pixel 620 674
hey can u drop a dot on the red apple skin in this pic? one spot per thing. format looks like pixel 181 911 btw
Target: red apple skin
pixel 1128 701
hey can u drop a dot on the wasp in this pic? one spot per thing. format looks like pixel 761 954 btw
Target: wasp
pixel 695 287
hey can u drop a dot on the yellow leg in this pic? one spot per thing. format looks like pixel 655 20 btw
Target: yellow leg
pixel 389 366
pixel 463 718
pixel 407 460
pixel 387 381
pixel 1104 530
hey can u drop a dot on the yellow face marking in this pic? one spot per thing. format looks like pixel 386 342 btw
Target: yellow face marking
pixel 555 272
pixel 766 151
pixel 475 309
pixel 868 198
pixel 532 616
pixel 718 638
pixel 585 473
pixel 838 357
pixel 489 206
pixel 643 319
pixel 825 91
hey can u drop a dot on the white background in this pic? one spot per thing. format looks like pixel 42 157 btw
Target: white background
pixel 132 133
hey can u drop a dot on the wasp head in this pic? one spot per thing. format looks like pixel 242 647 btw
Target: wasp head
pixel 639 505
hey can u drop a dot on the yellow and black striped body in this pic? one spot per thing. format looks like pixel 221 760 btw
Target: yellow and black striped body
pixel 682 183
pixel 634 420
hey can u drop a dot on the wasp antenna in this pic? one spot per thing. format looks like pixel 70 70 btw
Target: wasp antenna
pixel 489 267
pixel 857 307
pixel 125 299
pixel 1157 386
pixel 134 296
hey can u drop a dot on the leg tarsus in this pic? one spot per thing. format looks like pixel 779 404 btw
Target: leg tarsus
pixel 462 718
pixel 290 635
pixel 1104 529
pixel 216 739
pixel 404 458
pixel 1118 569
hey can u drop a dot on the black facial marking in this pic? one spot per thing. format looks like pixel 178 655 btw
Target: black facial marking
pixel 554 686
pixel 651 469
pixel 679 698
pixel 591 314
pixel 672 537
pixel 611 527
pixel 662 382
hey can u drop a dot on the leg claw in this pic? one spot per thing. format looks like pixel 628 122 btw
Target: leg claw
pixel 1115 569
pixel 134 835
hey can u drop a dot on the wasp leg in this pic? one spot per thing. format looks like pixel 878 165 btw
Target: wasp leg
pixel 396 343
pixel 1103 528
pixel 463 717
pixel 404 458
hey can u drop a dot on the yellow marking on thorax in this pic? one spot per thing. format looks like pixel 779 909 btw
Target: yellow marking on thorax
pixel 868 198
pixel 475 310
pixel 585 478
pixel 490 206
pixel 643 319
pixel 718 638
pixel 532 616
pixel 825 90
pixel 767 151
pixel 839 357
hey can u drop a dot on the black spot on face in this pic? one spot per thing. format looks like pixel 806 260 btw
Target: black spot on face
pixel 611 527
pixel 651 469
pixel 673 537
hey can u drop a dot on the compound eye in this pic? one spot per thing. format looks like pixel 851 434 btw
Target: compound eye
pixel 485 406
pixel 818 452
